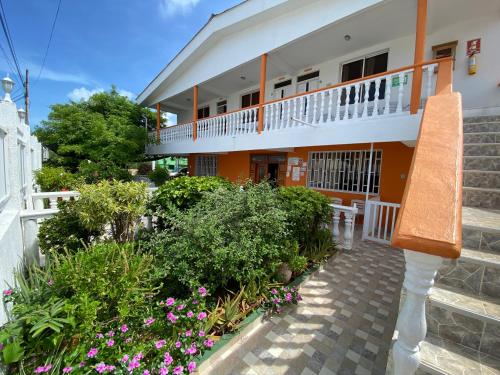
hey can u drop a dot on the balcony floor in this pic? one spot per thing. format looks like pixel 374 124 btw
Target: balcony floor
pixel 344 325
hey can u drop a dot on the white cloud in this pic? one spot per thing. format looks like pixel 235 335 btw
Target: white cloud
pixel 170 117
pixel 168 8
pixel 83 93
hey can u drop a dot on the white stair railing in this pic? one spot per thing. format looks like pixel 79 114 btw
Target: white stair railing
pixel 379 221
pixel 349 220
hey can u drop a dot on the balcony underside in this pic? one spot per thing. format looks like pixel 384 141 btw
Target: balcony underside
pixel 402 128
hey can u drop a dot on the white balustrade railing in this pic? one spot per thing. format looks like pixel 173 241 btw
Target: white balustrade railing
pixel 379 221
pixel 349 221
pixel 383 95
pixel 230 124
pixel 53 197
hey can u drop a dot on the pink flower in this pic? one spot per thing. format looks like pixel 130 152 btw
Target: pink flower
pixel 288 297
pixel 149 321
pixel 160 344
pixel 188 333
pixel 163 371
pixel 178 370
pixel 299 297
pixel 50 282
pixel 125 358
pixel 124 328
pixel 191 366
pixel 128 340
pixel 202 315
pixel 110 334
pixel 110 368
pixel 201 334
pixel 110 343
pixel 190 314
pixel 43 369
pixel 133 365
pixel 92 352
pixel 7 292
pixel 274 291
pixel 100 367
pixel 170 301
pixel 208 343
pixel 202 291
pixel 195 302
pixel 167 359
pixel 171 317
pixel 180 307
pixel 146 372
pixel 67 370
pixel 99 336
pixel 191 350
pixel 138 356
pixel 178 344
pixel 81 364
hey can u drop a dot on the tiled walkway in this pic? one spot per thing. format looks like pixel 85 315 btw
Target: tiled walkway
pixel 344 325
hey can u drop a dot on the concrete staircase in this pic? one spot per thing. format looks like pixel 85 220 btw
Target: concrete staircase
pixel 463 312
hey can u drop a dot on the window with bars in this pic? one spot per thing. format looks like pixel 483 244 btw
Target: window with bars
pixel 344 171
pixel 3 172
pixel 206 165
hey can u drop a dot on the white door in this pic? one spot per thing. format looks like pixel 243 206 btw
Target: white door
pixel 280 93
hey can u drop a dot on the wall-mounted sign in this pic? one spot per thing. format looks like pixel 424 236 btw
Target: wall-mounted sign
pixel 473 46
pixel 395 80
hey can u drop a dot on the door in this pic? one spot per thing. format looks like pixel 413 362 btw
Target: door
pixel 271 168
pixel 282 90
pixel 360 68
pixel 306 83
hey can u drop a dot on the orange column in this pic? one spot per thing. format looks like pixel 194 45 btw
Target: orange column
pixel 158 122
pixel 195 111
pixel 445 77
pixel 262 93
pixel 416 88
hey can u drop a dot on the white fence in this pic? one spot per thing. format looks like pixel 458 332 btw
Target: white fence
pixel 349 221
pixel 379 221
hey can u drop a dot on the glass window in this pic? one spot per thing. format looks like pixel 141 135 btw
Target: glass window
pixel 204 112
pixel 206 165
pixel 221 107
pixel 250 99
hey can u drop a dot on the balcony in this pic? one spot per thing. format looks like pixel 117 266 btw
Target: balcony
pixel 372 109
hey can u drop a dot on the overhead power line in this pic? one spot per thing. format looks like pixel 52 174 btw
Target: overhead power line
pixel 50 40
pixel 6 31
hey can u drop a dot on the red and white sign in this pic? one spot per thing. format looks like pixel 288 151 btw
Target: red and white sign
pixel 473 46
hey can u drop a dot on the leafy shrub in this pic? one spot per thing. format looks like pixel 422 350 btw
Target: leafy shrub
pixel 55 179
pixel 92 172
pixel 320 246
pixel 296 262
pixel 308 211
pixel 184 192
pixel 64 231
pixel 232 234
pixel 144 168
pixel 118 204
pixel 159 176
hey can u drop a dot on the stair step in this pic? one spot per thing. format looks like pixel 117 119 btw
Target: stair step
pixel 483 163
pixel 482 149
pixel 481 119
pixel 484 137
pixel 481 127
pixel 481 229
pixel 481 197
pixel 483 179
pixel 464 318
pixel 443 357
pixel 475 272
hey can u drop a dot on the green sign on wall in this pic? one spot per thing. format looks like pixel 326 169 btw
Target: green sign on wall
pixel 395 80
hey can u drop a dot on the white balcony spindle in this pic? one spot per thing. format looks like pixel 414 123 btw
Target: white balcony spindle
pixel 322 109
pixel 337 113
pixel 348 229
pixel 53 202
pixel 375 99
pixel 315 108
pixel 429 71
pixel 301 109
pixel 387 96
pixel 336 221
pixel 399 107
pixel 356 101
pixel 266 117
pixel 411 325
pixel 365 104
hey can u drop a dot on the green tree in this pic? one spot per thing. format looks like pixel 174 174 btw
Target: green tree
pixel 107 127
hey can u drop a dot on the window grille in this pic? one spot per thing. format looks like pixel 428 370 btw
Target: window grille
pixel 344 171
pixel 206 165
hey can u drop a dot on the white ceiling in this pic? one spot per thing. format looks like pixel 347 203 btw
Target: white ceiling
pixel 393 19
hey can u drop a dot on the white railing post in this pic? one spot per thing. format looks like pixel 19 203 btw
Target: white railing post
pixel 336 221
pixel 348 229
pixel 30 241
pixel 411 325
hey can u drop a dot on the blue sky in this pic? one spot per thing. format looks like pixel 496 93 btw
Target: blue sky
pixel 98 43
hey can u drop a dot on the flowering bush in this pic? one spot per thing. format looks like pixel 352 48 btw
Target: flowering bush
pixel 166 344
pixel 277 298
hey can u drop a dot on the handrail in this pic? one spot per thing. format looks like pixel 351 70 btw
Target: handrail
pixel 430 218
pixel 228 113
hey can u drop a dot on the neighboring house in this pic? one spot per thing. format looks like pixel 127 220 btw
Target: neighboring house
pixel 354 98
pixel 20 155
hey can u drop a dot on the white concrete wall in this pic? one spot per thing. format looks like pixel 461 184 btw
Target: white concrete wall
pixel 11 239
pixel 478 91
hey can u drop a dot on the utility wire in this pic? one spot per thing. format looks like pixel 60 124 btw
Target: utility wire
pixel 6 31
pixel 10 66
pixel 48 44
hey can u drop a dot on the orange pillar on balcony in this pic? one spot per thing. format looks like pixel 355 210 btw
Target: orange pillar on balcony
pixel 416 88
pixel 158 122
pixel 262 92
pixel 195 111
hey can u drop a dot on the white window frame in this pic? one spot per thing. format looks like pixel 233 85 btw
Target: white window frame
pixel 3 169
pixel 206 165
pixel 324 172
pixel 364 57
